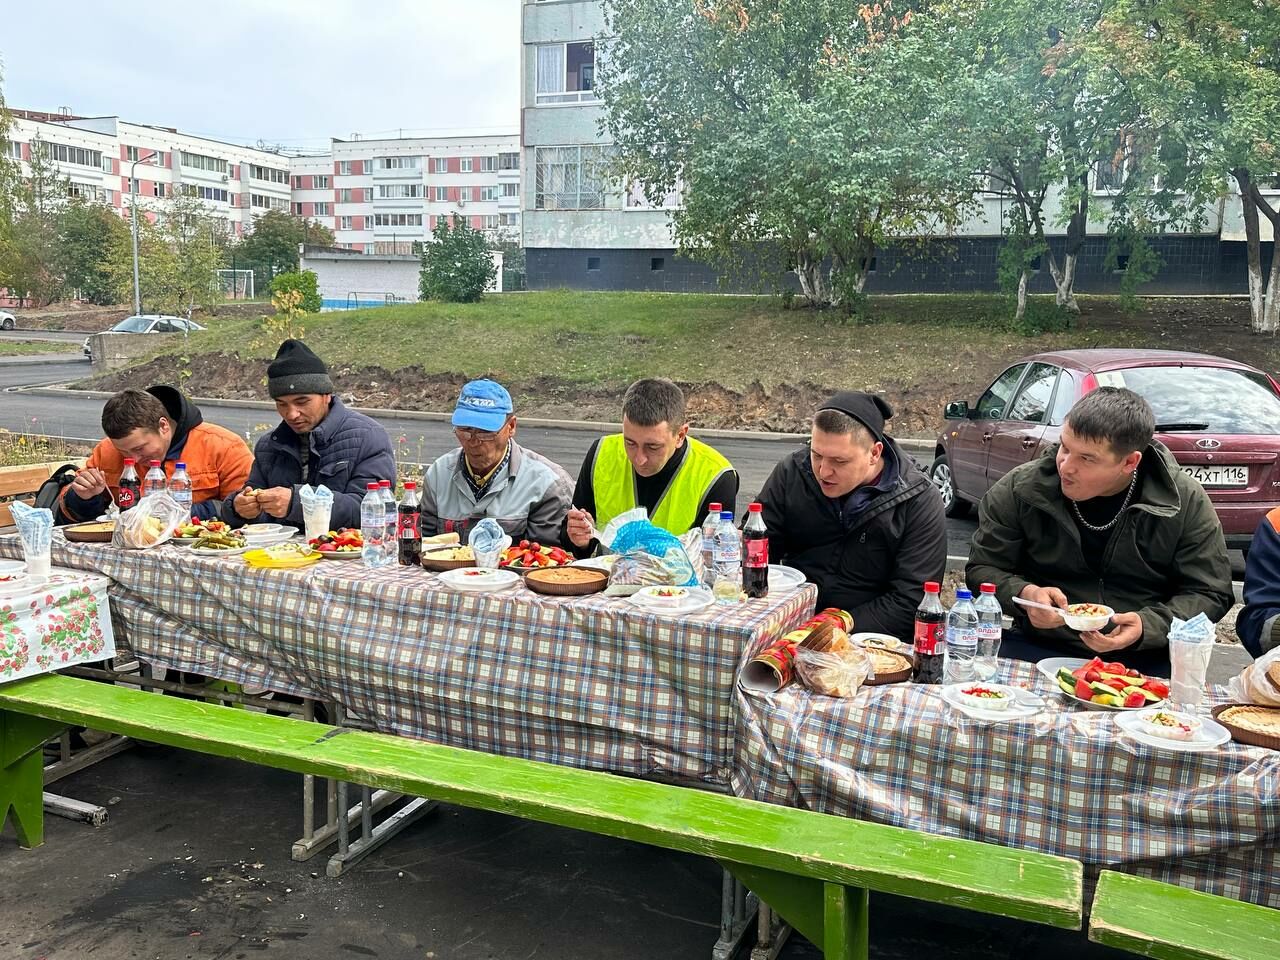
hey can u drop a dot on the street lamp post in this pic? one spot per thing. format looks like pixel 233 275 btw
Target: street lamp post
pixel 133 220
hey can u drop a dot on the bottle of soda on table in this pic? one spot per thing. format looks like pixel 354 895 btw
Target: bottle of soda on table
pixel 962 639
pixel 154 481
pixel 390 524
pixel 409 530
pixel 709 527
pixel 180 487
pixel 990 631
pixel 755 553
pixel 373 526
pixel 728 559
pixel 930 636
pixel 130 490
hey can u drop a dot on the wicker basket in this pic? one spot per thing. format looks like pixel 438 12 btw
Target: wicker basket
pixel 79 534
pixel 1250 737
pixel 439 566
pixel 890 667
pixel 545 581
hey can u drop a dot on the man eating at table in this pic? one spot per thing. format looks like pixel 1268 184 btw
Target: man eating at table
pixel 319 441
pixel 1105 517
pixel 653 463
pixel 158 423
pixel 490 475
pixel 857 516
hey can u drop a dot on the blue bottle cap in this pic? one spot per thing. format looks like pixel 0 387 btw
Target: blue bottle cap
pixel 182 464
pixel 726 514
pixel 963 594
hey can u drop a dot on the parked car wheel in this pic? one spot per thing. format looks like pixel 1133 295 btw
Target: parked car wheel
pixel 940 474
pixel 6 322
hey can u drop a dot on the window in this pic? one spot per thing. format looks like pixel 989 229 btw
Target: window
pixel 344 223
pixel 491 222
pixel 992 404
pixel 13 150
pixel 204 193
pixel 319 182
pixel 1032 402
pixel 465 164
pixel 81 156
pixel 391 248
pixel 593 263
pixel 657 263
pixel 268 174
pixel 440 165
pixel 199 161
pixel 108 164
pixel 344 168
pixel 297 209
pixel 1226 401
pixel 397 219
pixel 269 203
pixel 440 194
pixel 297 183
pixel 400 191
pixel 157 189
pixel 324 209
pixel 868 266
pixel 488 164
pixel 132 154
pixel 566 73
pixel 489 193
pixel 508 161
pixel 85 191
pixel 637 197
pixel 509 219
pixel 570 178
pixel 511 189
pixel 399 163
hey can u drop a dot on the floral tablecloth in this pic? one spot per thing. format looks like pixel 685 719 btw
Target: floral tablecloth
pixel 61 621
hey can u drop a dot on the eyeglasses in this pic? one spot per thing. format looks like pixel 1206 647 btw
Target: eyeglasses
pixel 479 436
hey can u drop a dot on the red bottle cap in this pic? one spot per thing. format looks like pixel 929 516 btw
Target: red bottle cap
pixel 755 508
pixel 411 485
pixel 714 507
pixel 155 463
pixel 987 588
pixel 372 485
pixel 932 587
pixel 129 461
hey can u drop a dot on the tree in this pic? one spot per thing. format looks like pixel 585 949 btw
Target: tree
pixel 457 266
pixel 87 235
pixel 272 245
pixel 1208 72
pixel 793 123
pixel 29 265
pixel 305 283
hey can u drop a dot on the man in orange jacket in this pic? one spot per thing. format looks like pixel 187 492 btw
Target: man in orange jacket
pixel 158 423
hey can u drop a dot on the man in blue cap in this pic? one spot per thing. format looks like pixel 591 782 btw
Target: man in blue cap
pixel 490 475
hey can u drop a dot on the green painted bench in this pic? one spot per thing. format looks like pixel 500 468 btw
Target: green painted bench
pixel 815 870
pixel 1154 919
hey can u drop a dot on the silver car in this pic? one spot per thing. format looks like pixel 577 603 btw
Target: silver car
pixel 7 320
pixel 148 323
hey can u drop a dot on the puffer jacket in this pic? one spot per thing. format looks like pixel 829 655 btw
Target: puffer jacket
pixel 217 460
pixel 348 451
pixel 1166 557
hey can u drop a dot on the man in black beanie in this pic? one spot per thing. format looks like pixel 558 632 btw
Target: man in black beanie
pixel 319 442
pixel 857 516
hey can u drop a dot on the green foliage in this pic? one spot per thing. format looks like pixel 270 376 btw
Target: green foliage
pixel 87 234
pixel 286 324
pixel 1040 316
pixel 303 281
pixel 29 234
pixel 457 266
pixel 272 245
pixel 1141 262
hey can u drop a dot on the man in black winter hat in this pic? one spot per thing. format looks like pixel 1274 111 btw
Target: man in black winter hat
pixel 857 516
pixel 319 442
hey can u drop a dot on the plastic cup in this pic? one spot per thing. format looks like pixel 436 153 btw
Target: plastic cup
pixel 39 562
pixel 1190 663
pixel 487 559
pixel 316 520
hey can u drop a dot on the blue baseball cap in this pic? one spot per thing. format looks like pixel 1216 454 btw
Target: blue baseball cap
pixel 482 405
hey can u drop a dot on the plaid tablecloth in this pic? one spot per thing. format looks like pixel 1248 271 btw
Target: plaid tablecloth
pixel 58 623
pixel 1066 782
pixel 588 681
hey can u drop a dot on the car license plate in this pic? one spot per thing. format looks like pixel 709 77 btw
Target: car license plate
pixel 1219 476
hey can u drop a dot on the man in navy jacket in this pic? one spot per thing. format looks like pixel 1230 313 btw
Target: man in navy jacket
pixel 1259 622
pixel 319 441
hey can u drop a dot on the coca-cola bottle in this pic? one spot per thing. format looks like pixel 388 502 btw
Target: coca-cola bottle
pixel 930 637
pixel 408 530
pixel 755 554
pixel 130 490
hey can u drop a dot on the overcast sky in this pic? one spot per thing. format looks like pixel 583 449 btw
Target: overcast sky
pixel 291 72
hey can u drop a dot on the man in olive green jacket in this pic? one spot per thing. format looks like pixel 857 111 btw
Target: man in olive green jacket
pixel 1105 517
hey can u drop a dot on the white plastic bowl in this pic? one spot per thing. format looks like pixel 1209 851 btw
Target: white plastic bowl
pixel 986 703
pixel 1185 726
pixel 262 529
pixel 1085 623
pixel 12 568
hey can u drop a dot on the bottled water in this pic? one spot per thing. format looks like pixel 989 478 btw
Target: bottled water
pixel 391 533
pixel 373 526
pixel 709 528
pixel 180 486
pixel 728 561
pixel 154 481
pixel 962 639
pixel 990 630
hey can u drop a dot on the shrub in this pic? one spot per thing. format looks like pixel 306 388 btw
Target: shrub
pixel 457 266
pixel 303 281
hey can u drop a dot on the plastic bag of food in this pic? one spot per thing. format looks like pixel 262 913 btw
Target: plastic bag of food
pixel 648 556
pixel 1259 682
pixel 487 541
pixel 150 523
pixel 834 672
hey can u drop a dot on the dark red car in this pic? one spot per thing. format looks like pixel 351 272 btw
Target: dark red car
pixel 1220 418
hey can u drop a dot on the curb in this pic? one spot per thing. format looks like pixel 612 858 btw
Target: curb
pixel 914 446
pixel 42 359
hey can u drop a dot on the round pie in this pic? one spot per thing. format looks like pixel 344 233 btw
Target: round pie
pixel 1260 720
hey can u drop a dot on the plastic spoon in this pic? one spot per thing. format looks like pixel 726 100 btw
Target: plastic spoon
pixel 1040 606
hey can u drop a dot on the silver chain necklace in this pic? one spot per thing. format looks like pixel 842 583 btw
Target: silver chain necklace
pixel 1119 513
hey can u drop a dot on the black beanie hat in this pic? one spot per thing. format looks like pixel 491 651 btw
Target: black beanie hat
pixel 297 370
pixel 868 409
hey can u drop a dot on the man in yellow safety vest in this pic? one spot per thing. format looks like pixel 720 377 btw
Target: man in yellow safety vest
pixel 654 464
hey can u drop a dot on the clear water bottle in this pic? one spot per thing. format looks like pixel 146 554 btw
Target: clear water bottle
pixel 180 486
pixel 373 526
pixel 728 561
pixel 990 630
pixel 962 639
pixel 390 534
pixel 154 481
pixel 709 527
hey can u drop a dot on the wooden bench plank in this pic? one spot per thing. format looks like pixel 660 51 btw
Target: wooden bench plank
pixel 983 877
pixel 1154 919
pixel 23 480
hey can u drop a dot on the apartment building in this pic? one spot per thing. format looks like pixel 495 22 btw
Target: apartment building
pixel 101 155
pixel 582 230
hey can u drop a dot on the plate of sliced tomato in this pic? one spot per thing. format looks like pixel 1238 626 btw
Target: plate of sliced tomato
pixel 531 555
pixel 1103 685
pixel 344 544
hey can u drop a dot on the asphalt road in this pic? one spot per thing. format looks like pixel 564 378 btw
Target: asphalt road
pixel 69 336
pixel 25 371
